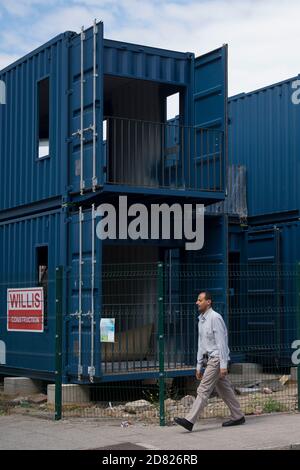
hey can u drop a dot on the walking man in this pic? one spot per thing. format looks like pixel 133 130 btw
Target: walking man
pixel 212 364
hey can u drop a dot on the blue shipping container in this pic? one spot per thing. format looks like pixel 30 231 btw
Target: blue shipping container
pixel 104 279
pixel 264 137
pixel 54 166
pixel 22 242
pixel 58 96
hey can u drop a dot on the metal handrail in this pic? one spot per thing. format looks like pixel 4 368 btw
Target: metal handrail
pixel 163 155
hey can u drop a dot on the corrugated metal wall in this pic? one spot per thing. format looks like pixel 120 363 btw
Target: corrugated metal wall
pixel 23 177
pixel 235 202
pixel 264 136
pixel 136 61
pixel 19 240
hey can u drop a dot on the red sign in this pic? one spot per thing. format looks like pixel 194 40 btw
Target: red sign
pixel 25 309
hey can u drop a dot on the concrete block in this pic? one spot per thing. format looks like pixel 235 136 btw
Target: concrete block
pixel 71 393
pixel 245 368
pixel 294 374
pixel 21 386
pixel 37 399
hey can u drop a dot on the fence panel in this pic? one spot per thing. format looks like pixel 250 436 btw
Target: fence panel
pixel 148 367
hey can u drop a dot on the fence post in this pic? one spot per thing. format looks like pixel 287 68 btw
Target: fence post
pixel 161 340
pixel 58 341
pixel 298 330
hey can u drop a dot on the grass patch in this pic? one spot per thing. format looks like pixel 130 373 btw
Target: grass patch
pixel 272 406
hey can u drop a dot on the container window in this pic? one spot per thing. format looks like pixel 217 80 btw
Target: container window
pixel 42 274
pixel 172 106
pixel 43 117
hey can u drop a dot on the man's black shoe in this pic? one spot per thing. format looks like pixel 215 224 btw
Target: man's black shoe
pixel 184 423
pixel 234 422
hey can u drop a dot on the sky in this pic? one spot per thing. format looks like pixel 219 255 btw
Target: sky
pixel 262 35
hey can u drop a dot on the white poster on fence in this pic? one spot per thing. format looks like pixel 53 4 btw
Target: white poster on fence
pixel 107 330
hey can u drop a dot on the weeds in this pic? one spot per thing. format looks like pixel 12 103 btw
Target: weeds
pixel 271 406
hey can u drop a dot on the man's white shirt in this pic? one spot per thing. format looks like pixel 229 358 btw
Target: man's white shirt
pixel 212 338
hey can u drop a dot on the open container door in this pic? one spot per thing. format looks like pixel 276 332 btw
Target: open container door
pixel 210 112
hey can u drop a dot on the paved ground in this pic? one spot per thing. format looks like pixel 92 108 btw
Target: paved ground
pixel 280 430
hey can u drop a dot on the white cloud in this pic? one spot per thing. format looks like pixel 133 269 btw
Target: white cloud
pixel 23 8
pixel 262 35
pixel 6 59
pixel 10 41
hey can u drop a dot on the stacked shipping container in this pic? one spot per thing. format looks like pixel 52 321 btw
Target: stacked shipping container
pixel 55 171
pixel 264 139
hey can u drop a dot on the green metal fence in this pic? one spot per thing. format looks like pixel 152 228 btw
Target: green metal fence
pixel 148 371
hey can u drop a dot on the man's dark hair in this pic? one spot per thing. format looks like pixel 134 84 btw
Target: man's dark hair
pixel 208 295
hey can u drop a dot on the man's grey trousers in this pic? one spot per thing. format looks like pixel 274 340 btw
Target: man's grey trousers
pixel 210 380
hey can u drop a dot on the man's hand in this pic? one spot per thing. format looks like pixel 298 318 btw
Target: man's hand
pixel 199 375
pixel 223 373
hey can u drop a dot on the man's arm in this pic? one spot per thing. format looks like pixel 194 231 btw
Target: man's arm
pixel 221 338
pixel 199 358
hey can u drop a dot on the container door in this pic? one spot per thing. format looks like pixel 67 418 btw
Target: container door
pixel 262 302
pixel 86 110
pixel 210 112
pixel 205 269
pixel 83 337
